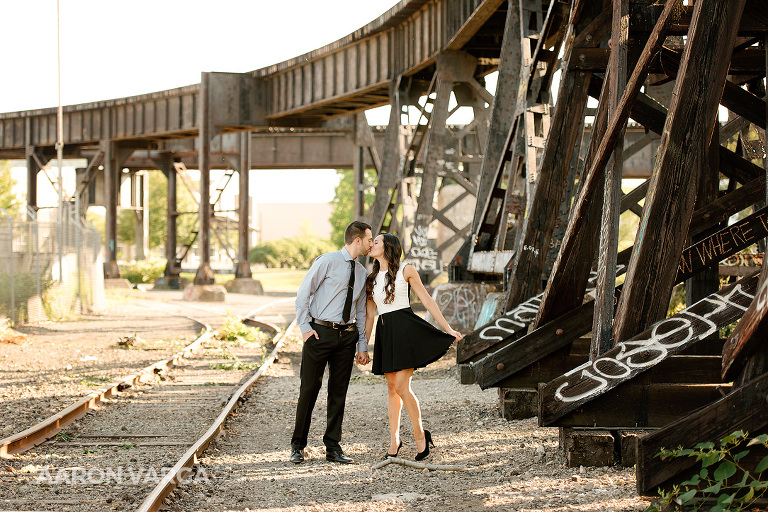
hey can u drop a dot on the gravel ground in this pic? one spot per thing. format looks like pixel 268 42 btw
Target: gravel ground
pixel 113 457
pixel 511 465
pixel 53 364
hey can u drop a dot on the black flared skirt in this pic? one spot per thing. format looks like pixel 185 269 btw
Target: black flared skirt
pixel 405 340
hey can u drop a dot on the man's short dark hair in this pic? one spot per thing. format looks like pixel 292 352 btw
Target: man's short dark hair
pixel 354 230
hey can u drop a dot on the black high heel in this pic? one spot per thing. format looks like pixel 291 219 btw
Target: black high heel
pixel 388 455
pixel 428 441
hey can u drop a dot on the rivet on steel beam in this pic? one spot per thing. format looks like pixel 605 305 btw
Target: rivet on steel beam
pixel 559 332
pixel 500 366
pixel 589 37
pixel 582 57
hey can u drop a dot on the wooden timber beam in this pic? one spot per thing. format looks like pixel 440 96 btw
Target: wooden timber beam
pixel 687 134
pixel 742 409
pixel 529 259
pixel 629 358
pixel 514 324
pixel 546 339
pixel 750 333
pixel 602 325
pixel 580 241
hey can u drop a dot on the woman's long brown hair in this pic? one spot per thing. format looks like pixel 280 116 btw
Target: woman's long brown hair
pixel 392 252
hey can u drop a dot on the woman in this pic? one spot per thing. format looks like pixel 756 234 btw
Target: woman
pixel 404 341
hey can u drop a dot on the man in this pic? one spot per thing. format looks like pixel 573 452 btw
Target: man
pixel 330 311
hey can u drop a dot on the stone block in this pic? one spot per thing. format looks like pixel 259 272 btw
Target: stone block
pixel 245 285
pixel 205 293
pixel 518 403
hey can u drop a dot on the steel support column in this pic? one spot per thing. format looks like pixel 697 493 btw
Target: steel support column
pixel 204 273
pixel 442 159
pixel 32 167
pixel 389 175
pixel 165 164
pixel 243 269
pixel 111 185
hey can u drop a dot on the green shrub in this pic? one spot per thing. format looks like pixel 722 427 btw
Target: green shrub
pixel 143 271
pixel 722 484
pixel 298 252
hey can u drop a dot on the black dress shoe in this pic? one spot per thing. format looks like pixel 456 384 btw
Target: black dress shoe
pixel 337 456
pixel 296 456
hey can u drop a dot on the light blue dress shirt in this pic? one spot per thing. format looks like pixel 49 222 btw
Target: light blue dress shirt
pixel 324 289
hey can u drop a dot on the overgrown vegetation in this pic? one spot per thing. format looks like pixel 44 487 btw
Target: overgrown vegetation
pixel 142 271
pixel 722 484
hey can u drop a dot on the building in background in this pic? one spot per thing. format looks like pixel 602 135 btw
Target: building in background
pixel 288 220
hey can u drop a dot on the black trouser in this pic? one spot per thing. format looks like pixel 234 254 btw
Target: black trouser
pixel 336 349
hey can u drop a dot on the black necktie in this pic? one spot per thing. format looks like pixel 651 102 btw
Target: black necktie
pixel 348 300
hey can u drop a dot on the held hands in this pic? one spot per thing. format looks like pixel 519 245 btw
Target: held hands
pixel 309 334
pixel 362 358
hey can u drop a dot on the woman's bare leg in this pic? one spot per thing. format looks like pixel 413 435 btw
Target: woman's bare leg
pixel 403 389
pixel 394 406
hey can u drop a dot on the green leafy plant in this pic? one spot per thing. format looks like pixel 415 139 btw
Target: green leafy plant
pixel 143 271
pixel 722 484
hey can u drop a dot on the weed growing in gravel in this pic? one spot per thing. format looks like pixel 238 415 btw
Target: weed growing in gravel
pixel 63 436
pixel 235 330
pixel 722 480
pixel 93 380
pixel 237 365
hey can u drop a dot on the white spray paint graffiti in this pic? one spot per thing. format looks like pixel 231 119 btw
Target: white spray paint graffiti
pixel 422 257
pixel 645 351
pixel 459 304
pixel 519 317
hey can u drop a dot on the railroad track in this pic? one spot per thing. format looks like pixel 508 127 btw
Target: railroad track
pixel 134 452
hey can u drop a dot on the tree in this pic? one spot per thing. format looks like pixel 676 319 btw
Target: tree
pixel 8 200
pixel 343 204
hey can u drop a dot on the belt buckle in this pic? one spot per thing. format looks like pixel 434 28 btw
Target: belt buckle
pixel 336 326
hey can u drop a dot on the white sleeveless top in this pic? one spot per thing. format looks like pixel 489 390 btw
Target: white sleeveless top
pixel 401 292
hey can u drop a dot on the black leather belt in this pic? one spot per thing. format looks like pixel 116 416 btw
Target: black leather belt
pixel 334 325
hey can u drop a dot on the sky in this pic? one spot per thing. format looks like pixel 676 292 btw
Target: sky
pixel 112 49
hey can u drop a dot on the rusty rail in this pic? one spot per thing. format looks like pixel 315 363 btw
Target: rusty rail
pixel 183 467
pixel 49 427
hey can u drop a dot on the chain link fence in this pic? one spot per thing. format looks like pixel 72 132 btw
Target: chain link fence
pixel 49 271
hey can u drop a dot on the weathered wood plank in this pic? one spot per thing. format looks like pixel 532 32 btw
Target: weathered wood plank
pixel 602 324
pixel 632 357
pixel 678 369
pixel 750 332
pixel 576 236
pixel 516 354
pixel 652 405
pixel 687 132
pixel 742 409
pixel 724 243
pixel 539 223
